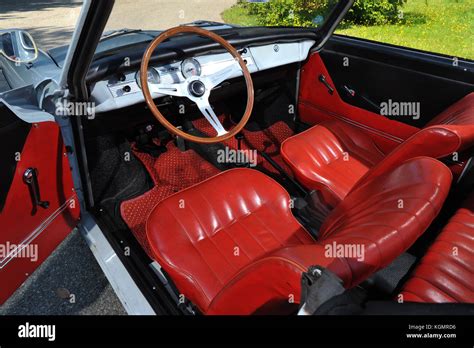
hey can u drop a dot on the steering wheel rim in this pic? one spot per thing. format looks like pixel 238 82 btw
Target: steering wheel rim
pixel 209 82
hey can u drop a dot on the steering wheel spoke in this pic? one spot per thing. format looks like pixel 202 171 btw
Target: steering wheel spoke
pixel 174 89
pixel 210 115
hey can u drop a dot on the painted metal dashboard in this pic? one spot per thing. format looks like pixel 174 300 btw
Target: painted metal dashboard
pixel 122 90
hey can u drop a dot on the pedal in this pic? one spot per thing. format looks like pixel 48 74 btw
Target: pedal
pixel 180 141
pixel 144 143
pixel 244 163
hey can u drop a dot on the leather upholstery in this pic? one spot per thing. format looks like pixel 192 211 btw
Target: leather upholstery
pixel 460 113
pixel 446 271
pixel 316 105
pixel 389 213
pixel 331 157
pixel 315 155
pixel 434 141
pixel 196 244
pixel 232 245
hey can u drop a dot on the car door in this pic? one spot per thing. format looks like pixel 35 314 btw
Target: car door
pixel 351 78
pixel 38 204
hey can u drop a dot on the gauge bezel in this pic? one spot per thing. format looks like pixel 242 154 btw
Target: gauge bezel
pixel 137 76
pixel 196 62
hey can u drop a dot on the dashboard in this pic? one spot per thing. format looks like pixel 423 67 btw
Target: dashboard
pixel 124 89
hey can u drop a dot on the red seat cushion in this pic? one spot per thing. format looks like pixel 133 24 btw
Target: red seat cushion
pixel 232 245
pixel 203 236
pixel 446 271
pixel 331 157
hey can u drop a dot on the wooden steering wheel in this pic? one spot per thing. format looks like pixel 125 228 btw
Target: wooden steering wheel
pixel 197 88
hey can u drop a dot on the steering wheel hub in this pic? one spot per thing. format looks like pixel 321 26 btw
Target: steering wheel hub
pixel 197 88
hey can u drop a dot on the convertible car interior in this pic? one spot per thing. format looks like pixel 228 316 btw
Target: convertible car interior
pixel 231 176
pixel 243 170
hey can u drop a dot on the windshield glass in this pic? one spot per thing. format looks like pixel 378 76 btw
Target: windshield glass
pixel 165 14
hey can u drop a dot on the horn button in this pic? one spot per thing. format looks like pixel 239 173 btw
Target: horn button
pixel 197 88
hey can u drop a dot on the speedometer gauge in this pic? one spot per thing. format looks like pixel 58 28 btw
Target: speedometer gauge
pixel 190 67
pixel 153 77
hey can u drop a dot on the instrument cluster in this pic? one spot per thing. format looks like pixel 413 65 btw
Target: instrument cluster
pixel 189 67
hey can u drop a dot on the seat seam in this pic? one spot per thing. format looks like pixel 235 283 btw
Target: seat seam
pixel 195 247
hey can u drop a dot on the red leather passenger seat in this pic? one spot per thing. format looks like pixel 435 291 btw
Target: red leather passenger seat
pixel 333 156
pixel 446 271
pixel 232 246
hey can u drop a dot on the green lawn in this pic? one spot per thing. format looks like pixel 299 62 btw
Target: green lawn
pixel 238 15
pixel 443 26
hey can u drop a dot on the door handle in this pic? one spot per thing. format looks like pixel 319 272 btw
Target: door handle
pixel 323 80
pixel 352 93
pixel 30 177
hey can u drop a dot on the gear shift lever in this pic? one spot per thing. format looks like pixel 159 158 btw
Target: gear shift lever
pixel 241 163
pixel 239 136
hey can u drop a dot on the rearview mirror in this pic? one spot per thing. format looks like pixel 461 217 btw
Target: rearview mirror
pixel 18 46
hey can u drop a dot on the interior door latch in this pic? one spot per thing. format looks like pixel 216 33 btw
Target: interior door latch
pixel 30 177
pixel 323 80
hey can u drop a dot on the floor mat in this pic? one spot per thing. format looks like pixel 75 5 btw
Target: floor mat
pixel 171 172
pixel 267 141
pixel 174 170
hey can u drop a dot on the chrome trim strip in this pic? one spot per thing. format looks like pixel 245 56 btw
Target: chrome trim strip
pixel 124 286
pixel 73 45
pixel 33 235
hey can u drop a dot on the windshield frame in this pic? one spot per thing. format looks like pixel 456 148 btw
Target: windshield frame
pixel 95 16
pixel 90 26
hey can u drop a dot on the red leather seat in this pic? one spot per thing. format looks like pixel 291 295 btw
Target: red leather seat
pixel 446 271
pixel 232 246
pixel 330 157
pixel 333 156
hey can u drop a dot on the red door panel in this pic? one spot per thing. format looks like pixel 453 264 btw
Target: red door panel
pixel 27 237
pixel 317 105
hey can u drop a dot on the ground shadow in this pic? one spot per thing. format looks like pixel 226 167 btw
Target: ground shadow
pixel 49 37
pixel 413 18
pixel 7 6
pixel 16 14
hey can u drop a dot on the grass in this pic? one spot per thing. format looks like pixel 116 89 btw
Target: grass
pixel 238 15
pixel 442 26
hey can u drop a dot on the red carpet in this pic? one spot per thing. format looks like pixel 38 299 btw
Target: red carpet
pixel 268 140
pixel 173 171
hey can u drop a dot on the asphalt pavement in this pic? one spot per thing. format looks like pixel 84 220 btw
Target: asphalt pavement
pixel 52 22
pixel 69 282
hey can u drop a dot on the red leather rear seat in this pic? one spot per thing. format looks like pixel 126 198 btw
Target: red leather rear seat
pixel 446 272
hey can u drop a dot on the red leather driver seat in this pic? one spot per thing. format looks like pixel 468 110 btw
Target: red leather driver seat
pixel 232 246
pixel 333 156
